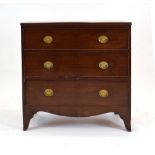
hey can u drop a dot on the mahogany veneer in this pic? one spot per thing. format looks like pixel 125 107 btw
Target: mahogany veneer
pixel 76 69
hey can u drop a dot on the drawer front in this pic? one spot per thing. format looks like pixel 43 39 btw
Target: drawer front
pixel 46 38
pixel 74 93
pixel 75 65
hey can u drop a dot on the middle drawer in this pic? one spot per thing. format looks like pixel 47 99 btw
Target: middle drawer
pixel 65 65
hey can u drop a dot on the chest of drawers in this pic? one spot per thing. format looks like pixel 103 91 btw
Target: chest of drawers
pixel 76 69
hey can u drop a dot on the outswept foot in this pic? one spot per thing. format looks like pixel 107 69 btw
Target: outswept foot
pixel 126 116
pixel 127 125
pixel 26 119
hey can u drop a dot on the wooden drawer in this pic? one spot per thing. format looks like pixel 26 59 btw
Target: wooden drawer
pixel 75 38
pixel 75 65
pixel 74 93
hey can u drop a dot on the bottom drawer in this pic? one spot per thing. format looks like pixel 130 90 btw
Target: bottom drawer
pixel 73 93
pixel 77 93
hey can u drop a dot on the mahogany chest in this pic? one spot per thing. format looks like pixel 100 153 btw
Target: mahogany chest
pixel 76 69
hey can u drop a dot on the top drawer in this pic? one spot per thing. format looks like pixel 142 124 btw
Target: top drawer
pixel 75 38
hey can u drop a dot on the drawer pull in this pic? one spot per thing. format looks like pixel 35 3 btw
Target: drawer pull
pixel 103 93
pixel 48 39
pixel 48 65
pixel 103 65
pixel 103 39
pixel 48 92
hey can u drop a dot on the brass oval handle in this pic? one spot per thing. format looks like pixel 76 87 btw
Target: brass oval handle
pixel 103 65
pixel 48 39
pixel 48 65
pixel 103 93
pixel 103 39
pixel 48 92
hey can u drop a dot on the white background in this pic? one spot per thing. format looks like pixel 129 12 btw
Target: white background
pixel 103 134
